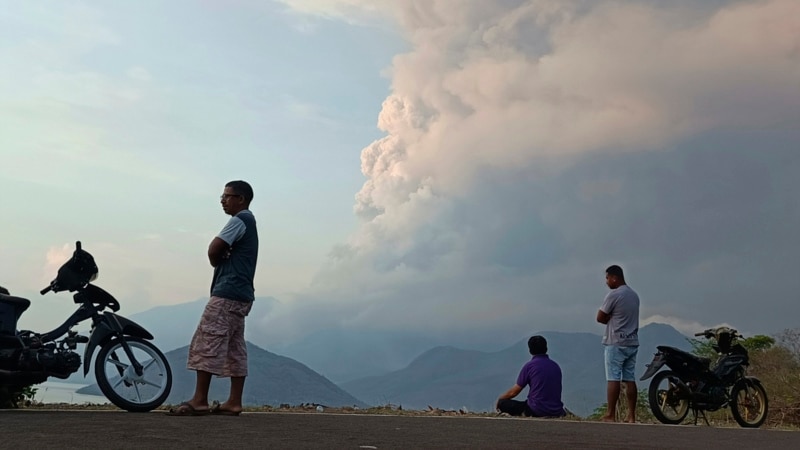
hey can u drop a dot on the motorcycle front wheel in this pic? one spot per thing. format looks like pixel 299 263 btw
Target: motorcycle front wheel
pixel 749 403
pixel 667 401
pixel 119 381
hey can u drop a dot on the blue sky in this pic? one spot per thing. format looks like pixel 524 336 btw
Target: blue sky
pixel 435 166
pixel 122 122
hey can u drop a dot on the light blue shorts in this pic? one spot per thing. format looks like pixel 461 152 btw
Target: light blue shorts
pixel 620 363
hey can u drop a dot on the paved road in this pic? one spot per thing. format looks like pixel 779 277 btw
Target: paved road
pixel 120 430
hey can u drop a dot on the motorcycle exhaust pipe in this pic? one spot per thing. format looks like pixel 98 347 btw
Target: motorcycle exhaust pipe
pixel 681 385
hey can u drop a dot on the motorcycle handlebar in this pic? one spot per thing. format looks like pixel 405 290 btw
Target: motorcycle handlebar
pixel 46 290
pixel 711 332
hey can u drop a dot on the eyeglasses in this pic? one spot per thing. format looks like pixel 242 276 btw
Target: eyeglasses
pixel 226 196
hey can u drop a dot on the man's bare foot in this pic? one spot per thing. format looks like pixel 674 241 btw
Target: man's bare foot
pixel 608 419
pixel 630 420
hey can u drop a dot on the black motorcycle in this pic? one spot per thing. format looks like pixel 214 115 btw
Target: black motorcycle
pixel 130 370
pixel 692 382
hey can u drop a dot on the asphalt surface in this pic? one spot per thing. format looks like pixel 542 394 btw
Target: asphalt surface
pixel 23 429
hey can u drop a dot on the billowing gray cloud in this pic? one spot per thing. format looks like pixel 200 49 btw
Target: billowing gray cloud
pixel 529 144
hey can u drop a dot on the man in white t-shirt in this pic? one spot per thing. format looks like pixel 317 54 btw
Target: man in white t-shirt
pixel 620 314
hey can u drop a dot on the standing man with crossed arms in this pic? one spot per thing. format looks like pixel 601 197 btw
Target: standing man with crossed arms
pixel 218 346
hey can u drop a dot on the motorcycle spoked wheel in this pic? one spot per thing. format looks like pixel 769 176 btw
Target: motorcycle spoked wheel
pixel 749 403
pixel 119 382
pixel 668 404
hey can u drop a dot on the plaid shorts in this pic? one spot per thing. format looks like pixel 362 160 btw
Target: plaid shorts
pixel 218 345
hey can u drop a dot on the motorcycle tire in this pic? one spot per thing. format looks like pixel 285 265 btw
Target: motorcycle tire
pixel 668 404
pixel 749 403
pixel 119 382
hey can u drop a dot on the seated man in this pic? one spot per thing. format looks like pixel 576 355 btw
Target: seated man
pixel 543 376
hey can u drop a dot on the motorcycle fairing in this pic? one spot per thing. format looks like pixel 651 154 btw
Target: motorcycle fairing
pixel 111 325
pixel 658 362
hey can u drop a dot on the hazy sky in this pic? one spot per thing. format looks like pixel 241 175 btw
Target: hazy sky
pixel 521 147
pixel 121 122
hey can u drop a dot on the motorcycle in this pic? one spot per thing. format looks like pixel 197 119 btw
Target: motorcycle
pixel 130 371
pixel 693 383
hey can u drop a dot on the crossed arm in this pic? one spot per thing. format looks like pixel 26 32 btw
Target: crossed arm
pixel 217 251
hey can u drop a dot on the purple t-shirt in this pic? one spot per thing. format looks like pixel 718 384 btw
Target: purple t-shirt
pixel 543 376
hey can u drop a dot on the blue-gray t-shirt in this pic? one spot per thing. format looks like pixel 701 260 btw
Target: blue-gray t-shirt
pixel 233 277
pixel 622 306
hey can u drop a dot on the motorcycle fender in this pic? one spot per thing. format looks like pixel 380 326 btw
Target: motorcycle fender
pixel 111 325
pixel 658 362
pixel 751 381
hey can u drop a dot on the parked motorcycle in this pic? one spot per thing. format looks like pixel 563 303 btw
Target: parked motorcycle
pixel 693 383
pixel 130 371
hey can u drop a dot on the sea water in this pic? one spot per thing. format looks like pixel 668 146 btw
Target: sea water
pixel 60 392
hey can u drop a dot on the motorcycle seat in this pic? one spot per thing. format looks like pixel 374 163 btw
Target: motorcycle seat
pixel 16 302
pixel 705 362
pixel 10 309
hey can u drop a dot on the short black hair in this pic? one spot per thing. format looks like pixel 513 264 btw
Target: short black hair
pixel 242 188
pixel 616 271
pixel 537 345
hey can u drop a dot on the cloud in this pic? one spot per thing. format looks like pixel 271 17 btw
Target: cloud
pixel 57 109
pixel 352 11
pixel 139 73
pixel 529 144
pixel 55 257
pixel 687 327
pixel 307 112
pixel 78 91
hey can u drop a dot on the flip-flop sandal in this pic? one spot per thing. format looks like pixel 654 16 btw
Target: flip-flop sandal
pixel 185 409
pixel 216 410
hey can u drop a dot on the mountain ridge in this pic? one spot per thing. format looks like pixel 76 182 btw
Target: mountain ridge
pixel 453 378
pixel 417 370
pixel 272 380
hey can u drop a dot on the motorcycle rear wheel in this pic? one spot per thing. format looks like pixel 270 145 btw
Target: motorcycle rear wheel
pixel 668 403
pixel 119 382
pixel 749 403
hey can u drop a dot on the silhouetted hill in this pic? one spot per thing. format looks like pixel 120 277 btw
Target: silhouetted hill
pixel 172 326
pixel 272 380
pixel 452 378
pixel 343 355
pixel 407 368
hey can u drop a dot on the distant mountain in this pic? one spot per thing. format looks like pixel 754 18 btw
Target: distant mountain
pixel 272 380
pixel 173 325
pixel 448 377
pixel 412 369
pixel 339 355
pixel 343 355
